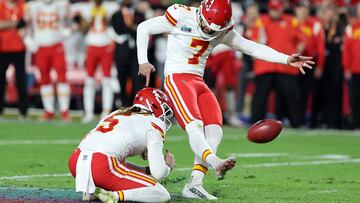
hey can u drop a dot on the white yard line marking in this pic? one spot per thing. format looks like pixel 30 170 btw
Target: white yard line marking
pixel 259 155
pixel 325 191
pixel 41 142
pixel 321 162
pixel 77 141
pixel 334 156
pixel 322 132
pixel 34 189
pixel 278 164
pixel 34 176
pixel 261 165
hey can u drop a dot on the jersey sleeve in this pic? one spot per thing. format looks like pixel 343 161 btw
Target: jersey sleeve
pixel 172 14
pixel 156 25
pixel 155 145
pixel 259 51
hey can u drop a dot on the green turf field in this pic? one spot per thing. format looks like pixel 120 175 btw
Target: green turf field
pixel 300 166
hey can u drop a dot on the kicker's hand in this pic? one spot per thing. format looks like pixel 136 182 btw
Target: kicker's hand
pixel 300 62
pixel 145 70
pixel 169 159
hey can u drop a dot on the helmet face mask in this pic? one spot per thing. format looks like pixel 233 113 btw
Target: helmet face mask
pixel 205 30
pixel 155 102
pixel 167 115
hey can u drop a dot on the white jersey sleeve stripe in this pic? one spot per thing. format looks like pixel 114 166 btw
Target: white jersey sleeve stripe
pixel 170 18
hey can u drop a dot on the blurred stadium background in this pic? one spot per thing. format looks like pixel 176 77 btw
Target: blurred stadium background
pixel 324 98
pixel 303 165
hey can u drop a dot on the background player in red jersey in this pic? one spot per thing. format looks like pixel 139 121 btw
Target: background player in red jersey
pixel 193 33
pixel 351 63
pixel 314 46
pixel 100 160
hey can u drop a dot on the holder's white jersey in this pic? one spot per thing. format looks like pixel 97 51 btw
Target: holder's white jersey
pixel 124 136
pixel 48 21
pixel 187 50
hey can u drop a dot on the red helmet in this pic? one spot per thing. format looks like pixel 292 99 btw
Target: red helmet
pixel 156 101
pixel 216 15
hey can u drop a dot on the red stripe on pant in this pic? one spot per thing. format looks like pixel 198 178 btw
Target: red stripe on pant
pixel 192 99
pixel 102 174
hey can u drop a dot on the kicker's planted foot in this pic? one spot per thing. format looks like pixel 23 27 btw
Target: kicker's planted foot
pixel 196 192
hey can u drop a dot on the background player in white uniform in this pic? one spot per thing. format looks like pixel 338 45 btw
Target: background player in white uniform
pixel 99 51
pixel 193 33
pixel 100 158
pixel 47 19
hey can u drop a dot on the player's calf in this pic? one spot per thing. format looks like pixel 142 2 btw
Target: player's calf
pixel 155 193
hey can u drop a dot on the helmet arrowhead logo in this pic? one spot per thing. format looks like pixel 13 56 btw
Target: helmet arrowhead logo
pixel 208 4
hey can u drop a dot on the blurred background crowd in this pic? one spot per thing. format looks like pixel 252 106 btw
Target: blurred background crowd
pixel 248 90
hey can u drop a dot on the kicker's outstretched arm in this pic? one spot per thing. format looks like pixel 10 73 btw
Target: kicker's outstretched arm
pixel 263 52
pixel 259 51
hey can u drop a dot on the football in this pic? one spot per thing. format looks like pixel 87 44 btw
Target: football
pixel 264 131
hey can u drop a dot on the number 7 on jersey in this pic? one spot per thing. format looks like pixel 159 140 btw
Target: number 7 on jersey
pixel 197 43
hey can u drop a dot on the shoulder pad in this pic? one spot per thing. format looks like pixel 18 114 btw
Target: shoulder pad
pixel 173 13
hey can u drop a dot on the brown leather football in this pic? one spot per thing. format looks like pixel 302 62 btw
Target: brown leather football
pixel 264 131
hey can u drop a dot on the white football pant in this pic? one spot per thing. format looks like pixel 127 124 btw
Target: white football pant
pixel 155 193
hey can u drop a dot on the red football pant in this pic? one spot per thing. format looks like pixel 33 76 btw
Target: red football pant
pixel 48 57
pixel 99 55
pixel 110 174
pixel 192 99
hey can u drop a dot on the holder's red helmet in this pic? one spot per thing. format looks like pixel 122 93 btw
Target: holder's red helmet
pixel 155 101
pixel 216 15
